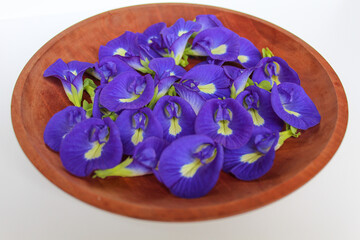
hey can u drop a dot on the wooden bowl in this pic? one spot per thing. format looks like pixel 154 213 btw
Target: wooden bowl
pixel 36 99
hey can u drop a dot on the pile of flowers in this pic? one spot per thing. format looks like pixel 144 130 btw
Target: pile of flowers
pixel 148 115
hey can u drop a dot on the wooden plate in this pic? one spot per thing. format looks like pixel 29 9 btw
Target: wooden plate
pixel 36 99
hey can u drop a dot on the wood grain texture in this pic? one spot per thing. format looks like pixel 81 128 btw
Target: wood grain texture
pixel 36 99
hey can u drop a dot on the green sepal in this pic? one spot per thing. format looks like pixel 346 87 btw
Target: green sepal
pixel 119 170
pixel 266 52
pixel 146 68
pixel 93 73
pixel 89 87
pixel 249 83
pixel 233 92
pixel 172 91
pixel 288 133
pixel 107 113
pixel 155 98
pixel 184 61
pixel 88 107
pixel 266 85
pixel 75 96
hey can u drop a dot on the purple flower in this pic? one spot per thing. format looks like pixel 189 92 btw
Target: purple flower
pixel 143 162
pixel 91 145
pixel 176 37
pixel 249 55
pixel 152 40
pixel 274 70
pixel 176 117
pixel 110 67
pixel 225 121
pixel 71 77
pixel 135 126
pixel 219 43
pixel 61 124
pixel 201 83
pixel 292 105
pixel 128 90
pixel 127 48
pixel 190 166
pixel 253 160
pixel 208 21
pixel 257 102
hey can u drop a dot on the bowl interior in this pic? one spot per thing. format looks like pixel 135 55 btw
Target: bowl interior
pixel 37 99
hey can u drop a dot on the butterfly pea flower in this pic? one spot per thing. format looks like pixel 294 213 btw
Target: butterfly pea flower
pixel 127 48
pixel 152 38
pixel 136 125
pixel 293 105
pixel 274 70
pixel 238 77
pixel 208 21
pixel 61 124
pixel 257 102
pixel 190 166
pixel 253 160
pixel 177 36
pixel 71 77
pixel 143 162
pixel 219 43
pixel 249 55
pixel 225 121
pixel 110 67
pixel 201 83
pixel 176 117
pixel 91 145
pixel 128 90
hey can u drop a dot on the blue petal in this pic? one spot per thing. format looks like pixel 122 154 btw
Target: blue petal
pixel 125 46
pixel 210 80
pixel 133 132
pixel 208 21
pixel 61 124
pixel 274 69
pixel 292 105
pixel 254 159
pixel 110 67
pixel 178 124
pixel 128 90
pixel 92 144
pixel 191 96
pixel 218 43
pixel 225 121
pixel 262 114
pixel 148 152
pixel 249 55
pixel 176 37
pixel 185 172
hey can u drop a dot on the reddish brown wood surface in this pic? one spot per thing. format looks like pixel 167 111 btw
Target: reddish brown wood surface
pixel 36 99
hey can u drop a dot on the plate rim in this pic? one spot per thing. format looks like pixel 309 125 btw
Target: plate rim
pixel 201 213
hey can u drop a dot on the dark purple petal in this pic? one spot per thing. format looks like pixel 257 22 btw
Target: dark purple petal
pixel 148 152
pixel 292 105
pixel 135 126
pixel 92 144
pixel 176 117
pixel 254 159
pixel 61 124
pixel 257 102
pixel 232 130
pixel 128 90
pixel 190 166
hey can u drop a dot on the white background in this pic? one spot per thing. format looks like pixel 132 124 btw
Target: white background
pixel 327 207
